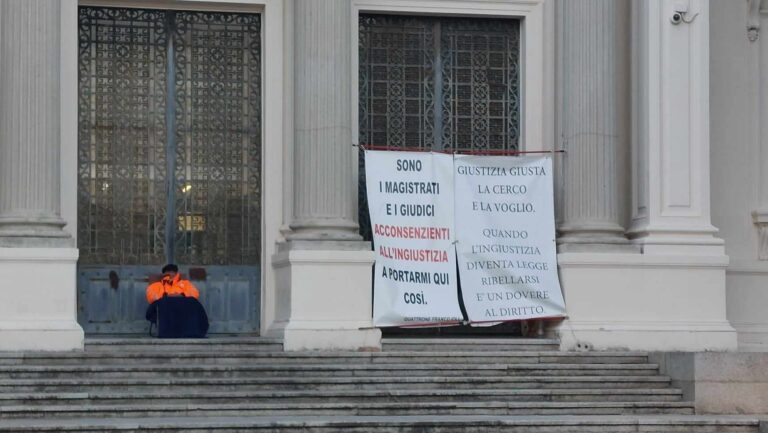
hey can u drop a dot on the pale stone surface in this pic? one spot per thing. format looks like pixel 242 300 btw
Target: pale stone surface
pixel 594 122
pixel 739 367
pixel 323 273
pixel 673 295
pixel 719 383
pixel 670 138
pixel 37 261
pixel 68 115
pixel 681 368
pixel 324 194
pixel 731 397
pixel 739 152
pixel 325 299
pixel 644 302
pixel 29 125
pixel 38 299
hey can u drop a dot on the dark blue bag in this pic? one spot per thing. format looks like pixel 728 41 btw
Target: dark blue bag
pixel 178 317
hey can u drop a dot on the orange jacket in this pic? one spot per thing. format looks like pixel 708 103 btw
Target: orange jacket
pixel 177 286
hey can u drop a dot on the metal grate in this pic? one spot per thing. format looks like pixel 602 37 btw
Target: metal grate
pixel 481 84
pixel 131 120
pixel 397 81
pixel 121 149
pixel 437 83
pixel 218 138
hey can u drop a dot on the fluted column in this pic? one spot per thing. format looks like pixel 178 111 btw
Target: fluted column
pixel 323 163
pixel 594 46
pixel 29 124
pixel 325 259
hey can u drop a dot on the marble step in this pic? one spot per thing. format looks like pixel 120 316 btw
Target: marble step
pixel 275 345
pixel 258 357
pixel 469 344
pixel 330 383
pixel 356 409
pixel 356 396
pixel 396 424
pixel 216 343
pixel 324 369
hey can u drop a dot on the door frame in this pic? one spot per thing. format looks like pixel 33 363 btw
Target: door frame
pixel 276 158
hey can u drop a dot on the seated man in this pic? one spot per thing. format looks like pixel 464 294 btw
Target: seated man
pixel 174 307
pixel 171 285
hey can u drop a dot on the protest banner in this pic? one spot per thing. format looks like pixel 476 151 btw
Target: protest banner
pixel 410 199
pixel 506 238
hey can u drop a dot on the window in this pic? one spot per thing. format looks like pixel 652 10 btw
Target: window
pixel 437 83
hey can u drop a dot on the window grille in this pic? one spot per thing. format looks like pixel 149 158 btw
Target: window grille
pixel 169 92
pixel 437 83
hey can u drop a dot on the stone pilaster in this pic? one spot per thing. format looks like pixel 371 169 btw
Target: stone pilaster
pixel 323 270
pixel 670 140
pixel 29 124
pixel 593 122
pixel 324 188
pixel 644 301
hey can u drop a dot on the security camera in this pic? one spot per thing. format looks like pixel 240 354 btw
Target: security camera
pixel 680 14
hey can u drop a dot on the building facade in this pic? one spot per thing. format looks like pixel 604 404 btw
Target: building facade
pixel 225 136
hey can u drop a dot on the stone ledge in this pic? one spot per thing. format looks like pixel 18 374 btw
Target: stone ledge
pixel 514 423
pixel 41 336
pixel 619 260
pixel 8 254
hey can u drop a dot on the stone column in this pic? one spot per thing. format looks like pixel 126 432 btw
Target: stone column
pixel 324 193
pixel 323 270
pixel 29 124
pixel 36 254
pixel 594 77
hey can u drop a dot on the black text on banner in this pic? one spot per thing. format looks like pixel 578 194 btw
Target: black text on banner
pixel 506 238
pixel 410 199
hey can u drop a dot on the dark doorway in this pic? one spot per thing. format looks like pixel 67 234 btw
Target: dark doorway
pixel 169 162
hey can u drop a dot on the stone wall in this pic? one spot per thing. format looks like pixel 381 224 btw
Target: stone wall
pixel 719 383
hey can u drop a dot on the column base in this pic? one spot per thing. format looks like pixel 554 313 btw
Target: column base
pixel 647 336
pixel 596 237
pixel 661 240
pixel 325 335
pixel 324 296
pixel 605 245
pixel 644 302
pixel 34 231
pixel 41 336
pixel 38 299
pixel 324 229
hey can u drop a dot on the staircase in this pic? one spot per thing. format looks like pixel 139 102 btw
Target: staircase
pixel 413 385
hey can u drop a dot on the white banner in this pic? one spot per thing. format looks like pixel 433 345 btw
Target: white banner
pixel 506 238
pixel 410 198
